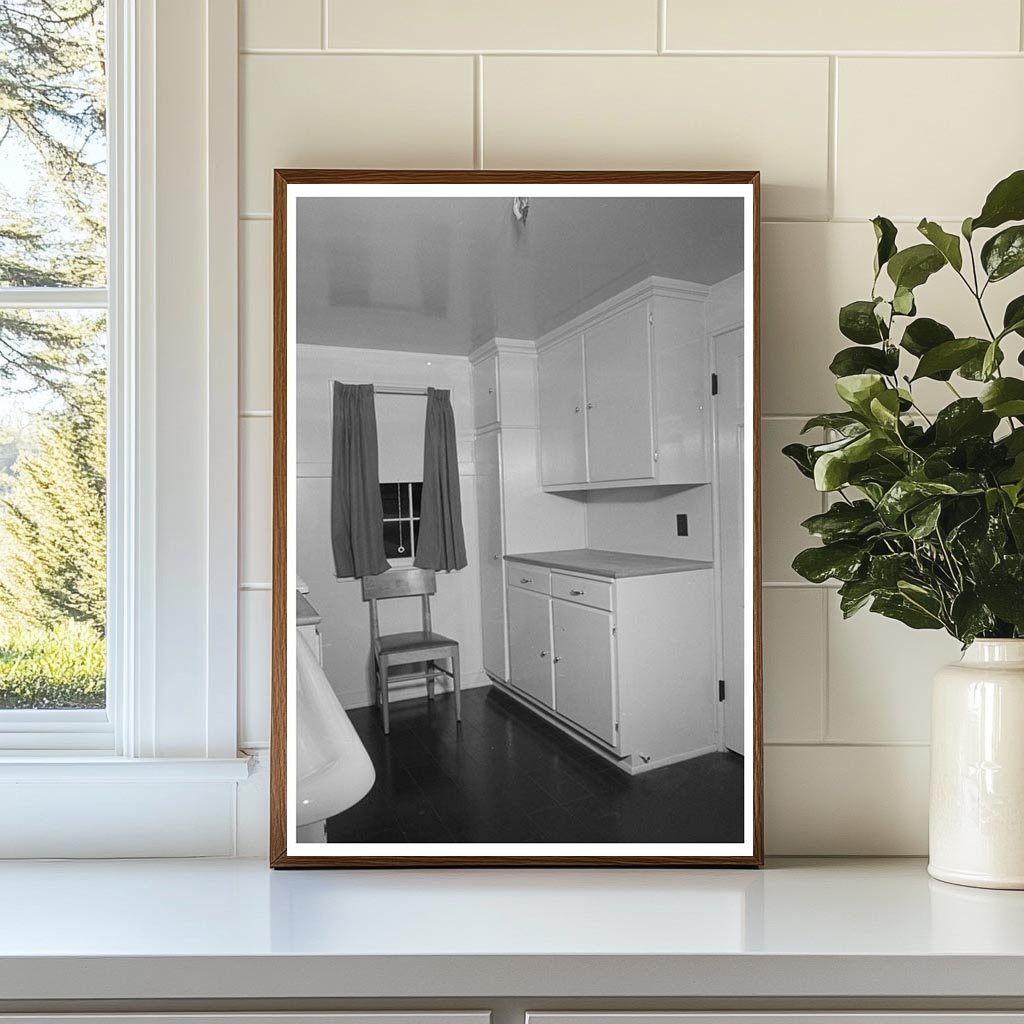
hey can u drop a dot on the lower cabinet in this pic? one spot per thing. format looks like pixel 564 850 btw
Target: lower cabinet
pixel 626 665
pixel 529 641
pixel 584 659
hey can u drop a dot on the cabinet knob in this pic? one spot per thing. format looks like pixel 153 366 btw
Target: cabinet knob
pixel 576 593
pixel 496 557
pixel 556 659
pixel 577 409
pixel 543 654
pixel 590 405
pixel 526 579
pixel 490 391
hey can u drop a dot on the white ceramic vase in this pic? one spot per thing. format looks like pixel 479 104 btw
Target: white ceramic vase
pixel 976 815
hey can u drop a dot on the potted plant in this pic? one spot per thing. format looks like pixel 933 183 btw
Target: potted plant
pixel 926 521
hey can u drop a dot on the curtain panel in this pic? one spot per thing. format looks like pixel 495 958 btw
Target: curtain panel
pixel 441 544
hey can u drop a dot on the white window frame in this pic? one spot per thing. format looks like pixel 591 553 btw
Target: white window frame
pixel 62 730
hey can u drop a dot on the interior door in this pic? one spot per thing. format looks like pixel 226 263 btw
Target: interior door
pixel 585 667
pixel 620 426
pixel 731 491
pixel 529 642
pixel 492 567
pixel 562 433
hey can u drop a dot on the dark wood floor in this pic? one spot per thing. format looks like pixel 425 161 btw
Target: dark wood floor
pixel 507 776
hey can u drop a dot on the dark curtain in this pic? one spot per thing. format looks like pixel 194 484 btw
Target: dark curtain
pixel 357 531
pixel 441 543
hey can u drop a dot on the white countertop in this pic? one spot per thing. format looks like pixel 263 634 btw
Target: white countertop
pixel 234 929
pixel 612 564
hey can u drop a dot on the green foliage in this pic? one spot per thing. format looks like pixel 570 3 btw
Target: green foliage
pixel 63 667
pixel 927 523
pixel 53 526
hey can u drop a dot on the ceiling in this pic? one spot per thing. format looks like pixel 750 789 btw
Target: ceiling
pixel 446 275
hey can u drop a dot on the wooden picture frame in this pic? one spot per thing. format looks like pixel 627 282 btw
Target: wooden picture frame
pixel 284 851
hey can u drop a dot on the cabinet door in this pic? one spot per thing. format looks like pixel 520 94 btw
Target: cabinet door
pixel 485 392
pixel 529 643
pixel 563 451
pixel 585 668
pixel 492 571
pixel 620 428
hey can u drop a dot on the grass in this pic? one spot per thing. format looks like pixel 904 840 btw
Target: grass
pixel 60 667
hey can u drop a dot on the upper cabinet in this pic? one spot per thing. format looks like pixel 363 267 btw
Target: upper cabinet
pixel 562 416
pixel 625 391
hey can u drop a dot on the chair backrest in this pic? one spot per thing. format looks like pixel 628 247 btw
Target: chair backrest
pixel 399 583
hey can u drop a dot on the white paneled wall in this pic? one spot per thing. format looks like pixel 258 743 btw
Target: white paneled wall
pixel 801 91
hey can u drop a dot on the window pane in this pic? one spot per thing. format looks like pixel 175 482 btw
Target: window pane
pixel 417 493
pixel 52 509
pixel 397 542
pixel 53 150
pixel 390 495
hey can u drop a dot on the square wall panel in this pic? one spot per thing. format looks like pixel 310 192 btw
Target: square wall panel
pixel 350 111
pixel 691 113
pixel 880 677
pixel 961 130
pixel 282 26
pixel 794 663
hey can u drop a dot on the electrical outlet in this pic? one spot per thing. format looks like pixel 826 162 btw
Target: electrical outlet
pixel 682 527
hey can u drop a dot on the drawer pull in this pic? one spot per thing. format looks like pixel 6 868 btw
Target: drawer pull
pixel 526 579
pixel 556 659
pixel 543 654
pixel 576 593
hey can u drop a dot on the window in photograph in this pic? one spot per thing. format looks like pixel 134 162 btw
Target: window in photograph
pixel 401 503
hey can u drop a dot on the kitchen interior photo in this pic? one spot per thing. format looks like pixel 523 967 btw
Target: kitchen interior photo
pixel 577 672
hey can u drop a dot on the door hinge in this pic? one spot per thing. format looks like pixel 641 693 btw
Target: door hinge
pixel 721 689
pixel 714 383
pixel 650 318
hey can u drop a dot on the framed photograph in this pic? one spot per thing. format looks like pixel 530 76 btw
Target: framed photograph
pixel 516 547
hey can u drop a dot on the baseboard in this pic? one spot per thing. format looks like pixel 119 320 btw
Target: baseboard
pixel 351 700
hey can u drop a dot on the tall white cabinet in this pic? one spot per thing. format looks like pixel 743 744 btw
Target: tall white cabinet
pixel 515 512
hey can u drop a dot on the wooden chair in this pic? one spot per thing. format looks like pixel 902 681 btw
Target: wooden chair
pixel 409 648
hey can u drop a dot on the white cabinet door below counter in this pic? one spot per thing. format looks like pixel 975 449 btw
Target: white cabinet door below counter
pixel 585 668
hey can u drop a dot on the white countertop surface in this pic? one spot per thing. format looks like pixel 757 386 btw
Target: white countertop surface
pixel 612 564
pixel 234 929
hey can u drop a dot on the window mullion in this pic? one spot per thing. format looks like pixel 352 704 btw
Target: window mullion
pixel 53 298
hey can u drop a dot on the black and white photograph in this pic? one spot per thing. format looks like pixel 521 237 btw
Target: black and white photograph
pixel 515 601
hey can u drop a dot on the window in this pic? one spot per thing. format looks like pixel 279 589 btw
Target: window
pixel 401 503
pixel 53 359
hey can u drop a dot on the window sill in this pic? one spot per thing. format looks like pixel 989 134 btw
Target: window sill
pixel 75 766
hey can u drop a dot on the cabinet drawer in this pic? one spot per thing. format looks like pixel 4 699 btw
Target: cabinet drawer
pixel 583 591
pixel 529 577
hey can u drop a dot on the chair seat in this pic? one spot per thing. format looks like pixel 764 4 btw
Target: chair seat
pixel 414 642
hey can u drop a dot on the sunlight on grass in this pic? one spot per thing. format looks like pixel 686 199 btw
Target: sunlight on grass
pixel 60 667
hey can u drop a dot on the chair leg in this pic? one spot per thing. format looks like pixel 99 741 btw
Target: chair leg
pixel 432 675
pixel 456 686
pixel 382 682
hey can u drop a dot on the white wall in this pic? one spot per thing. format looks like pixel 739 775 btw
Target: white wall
pixel 400 420
pixel 795 89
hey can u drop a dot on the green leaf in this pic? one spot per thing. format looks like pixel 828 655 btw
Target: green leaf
pixel 842 521
pixel 912 267
pixel 990 360
pixel 885 409
pixel 857 321
pixel 844 422
pixel 1004 397
pixel 840 561
pixel 831 471
pixel 1005 597
pixel 1005 202
pixel 947 244
pixel 965 228
pixel 974 368
pixel 858 389
pixel 925 518
pixel 799 455
pixel 906 494
pixel 924 334
pixel 903 302
pixel 966 417
pixel 971 617
pixel 1013 317
pixel 850 361
pixel 899 608
pixel 885 239
pixel 950 355
pixel 1003 254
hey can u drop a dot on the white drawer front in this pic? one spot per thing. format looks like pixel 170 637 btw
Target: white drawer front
pixel 583 591
pixel 529 577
